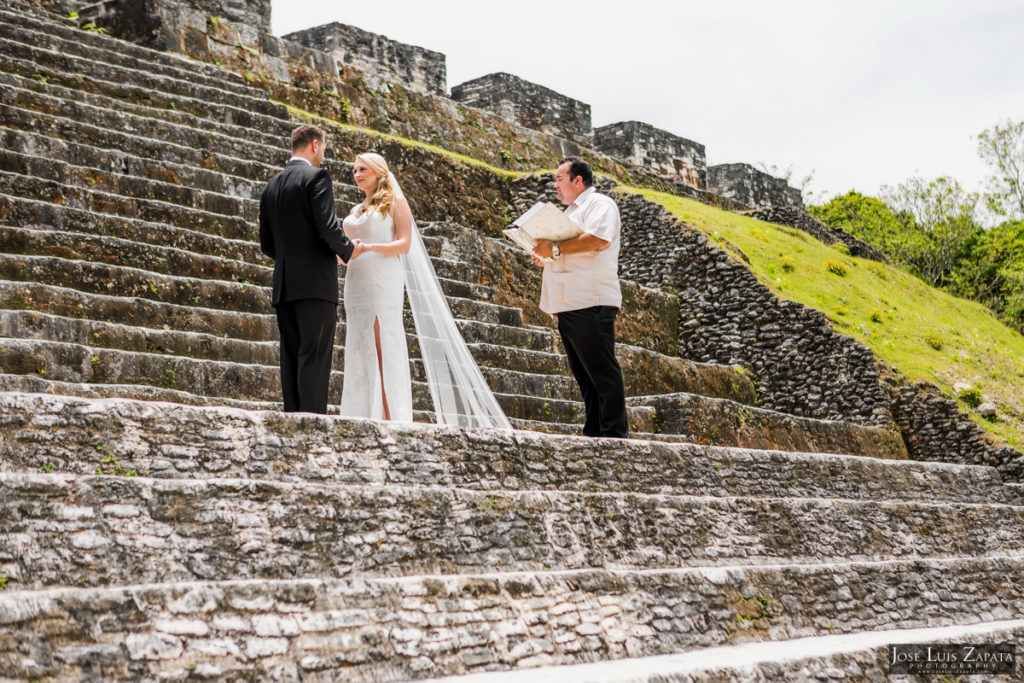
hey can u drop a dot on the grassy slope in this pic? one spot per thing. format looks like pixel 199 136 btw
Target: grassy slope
pixel 898 316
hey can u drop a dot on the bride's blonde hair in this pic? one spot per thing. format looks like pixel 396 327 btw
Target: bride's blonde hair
pixel 383 195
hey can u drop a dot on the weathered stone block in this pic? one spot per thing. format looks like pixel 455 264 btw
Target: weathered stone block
pixel 380 59
pixel 643 145
pixel 528 104
pixel 755 188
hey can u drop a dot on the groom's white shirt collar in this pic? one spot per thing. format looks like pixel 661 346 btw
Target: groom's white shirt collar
pixel 300 159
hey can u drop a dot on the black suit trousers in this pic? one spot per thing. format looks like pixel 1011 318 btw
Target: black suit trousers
pixel 307 347
pixel 588 335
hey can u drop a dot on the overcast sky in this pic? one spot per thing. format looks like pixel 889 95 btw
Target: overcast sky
pixel 862 94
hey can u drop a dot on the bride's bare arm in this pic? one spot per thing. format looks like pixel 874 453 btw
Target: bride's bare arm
pixel 402 216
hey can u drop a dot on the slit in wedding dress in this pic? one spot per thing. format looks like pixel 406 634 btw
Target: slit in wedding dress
pixel 380 367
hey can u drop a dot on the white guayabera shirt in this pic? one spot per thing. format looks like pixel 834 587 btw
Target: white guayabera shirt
pixel 591 278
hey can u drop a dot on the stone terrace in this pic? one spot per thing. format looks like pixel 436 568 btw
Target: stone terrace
pixel 199 532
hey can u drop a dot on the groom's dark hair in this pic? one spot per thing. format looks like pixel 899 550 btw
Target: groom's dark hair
pixel 579 169
pixel 304 135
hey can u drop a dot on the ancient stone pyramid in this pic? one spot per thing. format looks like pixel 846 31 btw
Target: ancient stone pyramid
pixel 160 520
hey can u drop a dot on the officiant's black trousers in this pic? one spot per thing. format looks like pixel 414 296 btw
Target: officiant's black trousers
pixel 307 346
pixel 588 335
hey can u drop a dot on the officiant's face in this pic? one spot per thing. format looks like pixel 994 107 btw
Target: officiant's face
pixel 567 188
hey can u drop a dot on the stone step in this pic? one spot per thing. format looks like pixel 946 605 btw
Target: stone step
pixel 865 655
pixel 144 313
pixel 104 278
pixel 420 627
pixel 84 155
pixel 720 421
pixel 118 527
pixel 62 37
pixel 669 373
pixel 34 213
pixel 128 253
pixel 541 393
pixel 499 370
pixel 72 435
pixel 133 197
pixel 37 385
pixel 100 308
pixel 117 204
pixel 78 177
pixel 40 71
pixel 77 363
pixel 56 57
pixel 64 126
pixel 125 244
pixel 35 325
pixel 200 135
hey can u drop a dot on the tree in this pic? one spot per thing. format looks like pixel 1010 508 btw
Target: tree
pixel 866 218
pixel 944 217
pixel 1002 148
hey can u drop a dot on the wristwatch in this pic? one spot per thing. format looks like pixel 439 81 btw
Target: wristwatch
pixel 555 253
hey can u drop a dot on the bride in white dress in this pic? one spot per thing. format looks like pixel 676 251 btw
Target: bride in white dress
pixel 377 380
pixel 376 383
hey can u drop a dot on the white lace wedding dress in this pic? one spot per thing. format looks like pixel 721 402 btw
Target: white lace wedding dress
pixel 375 291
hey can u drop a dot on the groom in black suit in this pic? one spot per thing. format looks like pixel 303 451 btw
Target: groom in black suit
pixel 299 229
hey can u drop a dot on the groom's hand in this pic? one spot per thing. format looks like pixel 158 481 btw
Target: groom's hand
pixel 357 249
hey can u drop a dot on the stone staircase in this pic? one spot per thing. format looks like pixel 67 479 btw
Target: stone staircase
pixel 256 544
pixel 200 533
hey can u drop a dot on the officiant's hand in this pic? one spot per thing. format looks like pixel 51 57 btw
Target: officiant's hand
pixel 541 251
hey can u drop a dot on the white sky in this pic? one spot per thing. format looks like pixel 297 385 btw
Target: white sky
pixel 862 93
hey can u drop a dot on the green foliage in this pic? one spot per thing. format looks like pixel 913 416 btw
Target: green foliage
pixel 836 268
pixel 876 316
pixel 971 396
pixel 937 237
pixel 47 467
pixel 3 583
pixel 933 341
pixel 216 21
pixel 93 28
pixel 841 248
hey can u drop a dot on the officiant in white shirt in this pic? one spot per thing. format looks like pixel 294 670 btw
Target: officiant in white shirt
pixel 581 289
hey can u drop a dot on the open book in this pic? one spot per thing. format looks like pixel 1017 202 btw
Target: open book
pixel 542 221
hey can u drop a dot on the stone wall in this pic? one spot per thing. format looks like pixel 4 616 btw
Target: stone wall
pixel 797 217
pixel 379 58
pixel 528 104
pixel 642 144
pixel 755 188
pixel 157 23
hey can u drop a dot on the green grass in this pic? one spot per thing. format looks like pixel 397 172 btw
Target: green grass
pixel 920 331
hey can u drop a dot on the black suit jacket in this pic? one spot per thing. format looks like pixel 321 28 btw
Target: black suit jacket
pixel 299 229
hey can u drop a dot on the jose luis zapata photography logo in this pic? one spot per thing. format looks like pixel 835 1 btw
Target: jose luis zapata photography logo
pixel 950 658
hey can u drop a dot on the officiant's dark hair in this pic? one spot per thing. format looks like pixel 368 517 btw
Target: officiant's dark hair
pixel 579 168
pixel 304 135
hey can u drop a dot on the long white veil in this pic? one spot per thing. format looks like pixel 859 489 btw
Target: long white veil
pixel 460 393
